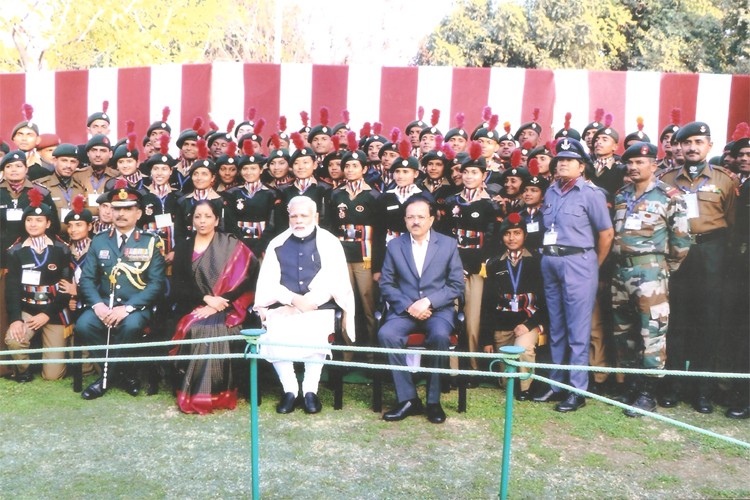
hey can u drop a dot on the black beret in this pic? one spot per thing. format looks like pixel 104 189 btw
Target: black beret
pixel 65 149
pixel 640 150
pixel 98 140
pixel 691 129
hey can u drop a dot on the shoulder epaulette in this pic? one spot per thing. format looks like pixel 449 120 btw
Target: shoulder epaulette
pixel 726 171
pixel 41 187
pixel 668 189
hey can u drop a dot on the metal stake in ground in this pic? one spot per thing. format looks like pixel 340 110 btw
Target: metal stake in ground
pixel 252 336
pixel 112 281
pixel 514 353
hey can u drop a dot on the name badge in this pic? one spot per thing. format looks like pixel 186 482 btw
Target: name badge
pixel 92 199
pixel 532 227
pixel 163 220
pixel 104 254
pixel 14 214
pixel 31 277
pixel 550 238
pixel 633 223
pixel 393 207
pixel 691 200
pixel 63 213
pixel 514 304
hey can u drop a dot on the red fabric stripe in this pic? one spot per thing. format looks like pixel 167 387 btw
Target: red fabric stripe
pixel 739 102
pixel 329 88
pixel 134 100
pixel 607 89
pixel 12 97
pixel 677 91
pixel 538 92
pixel 196 95
pixel 263 92
pixel 71 114
pixel 469 94
pixel 398 97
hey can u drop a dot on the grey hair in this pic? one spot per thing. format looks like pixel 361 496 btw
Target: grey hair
pixel 304 202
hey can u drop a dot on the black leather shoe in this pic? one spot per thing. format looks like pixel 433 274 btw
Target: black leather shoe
pixel 95 390
pixel 405 409
pixel 572 403
pixel 703 405
pixel 523 395
pixel 551 396
pixel 131 385
pixel 24 377
pixel 286 405
pixel 435 413
pixel 644 402
pixel 596 388
pixel 738 412
pixel 668 397
pixel 626 394
pixel 312 403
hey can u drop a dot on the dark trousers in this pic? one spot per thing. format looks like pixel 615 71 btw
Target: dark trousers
pixel 89 330
pixel 394 333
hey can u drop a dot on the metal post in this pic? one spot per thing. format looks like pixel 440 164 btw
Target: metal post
pixel 252 336
pixel 512 352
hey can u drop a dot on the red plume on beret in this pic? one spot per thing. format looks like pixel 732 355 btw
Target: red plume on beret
pixel 475 150
pixel 77 204
pixel 129 127
pixel 131 141
pixel 232 149
pixel 336 140
pixel 506 126
pixel 527 145
pixel 259 126
pixel 345 116
pixel 324 116
pixel 608 119
pixel 282 123
pixel 305 117
pixel 230 126
pixel 165 113
pixel 494 120
pixel 120 183
pixel 105 106
pixel 248 147
pixel 276 141
pixel 351 140
pixel 550 145
pixel 514 217
pixel 435 117
pixel 639 121
pixel 197 123
pixel 449 152
pixel 251 115
pixel 420 113
pixel 741 131
pixel 164 144
pixel 365 131
pixel 676 116
pixel 35 197
pixel 533 167
pixel 515 158
pixel 377 127
pixel 404 148
pixel 438 143
pixel 395 134
pixel 486 113
pixel 27 111
pixel 535 114
pixel 568 116
pixel 298 141
pixel 460 119
pixel 202 149
pixel 598 114
pixel 201 132
pixel 213 126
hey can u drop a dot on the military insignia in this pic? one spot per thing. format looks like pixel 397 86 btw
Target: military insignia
pixel 565 145
pixel 456 211
pixel 702 128
pixel 644 150
pixel 342 210
pixel 123 195
pixel 359 208
pixel 38 211
pixel 104 254
pixel 490 134
pixel 164 158
pixel 475 215
pixel 149 209
pixel 52 267
pixel 405 163
pixel 240 204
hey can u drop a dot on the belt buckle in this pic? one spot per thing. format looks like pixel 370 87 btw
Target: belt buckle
pixel 40 296
pixel 351 233
pixel 553 250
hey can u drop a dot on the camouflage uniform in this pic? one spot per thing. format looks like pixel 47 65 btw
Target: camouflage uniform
pixel 652 244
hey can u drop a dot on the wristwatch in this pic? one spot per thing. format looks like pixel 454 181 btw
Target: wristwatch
pixel 129 309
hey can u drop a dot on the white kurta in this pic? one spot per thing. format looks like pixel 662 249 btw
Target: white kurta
pixel 289 325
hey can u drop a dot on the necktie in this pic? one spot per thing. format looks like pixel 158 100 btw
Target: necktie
pixel 123 239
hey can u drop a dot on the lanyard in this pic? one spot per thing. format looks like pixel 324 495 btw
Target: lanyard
pixel 96 185
pixel 40 263
pixel 691 191
pixel 514 278
pixel 632 202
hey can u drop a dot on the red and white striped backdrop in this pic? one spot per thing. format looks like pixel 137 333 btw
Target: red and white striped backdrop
pixel 62 100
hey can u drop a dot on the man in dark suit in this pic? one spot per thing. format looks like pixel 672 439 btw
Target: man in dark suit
pixel 421 278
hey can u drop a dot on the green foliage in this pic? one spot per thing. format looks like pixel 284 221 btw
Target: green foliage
pixel 669 35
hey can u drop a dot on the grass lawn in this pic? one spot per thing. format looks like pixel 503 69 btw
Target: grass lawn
pixel 56 445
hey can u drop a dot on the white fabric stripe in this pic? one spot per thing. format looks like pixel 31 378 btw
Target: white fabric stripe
pixel 571 96
pixel 642 96
pixel 166 90
pixel 506 95
pixel 434 92
pixel 712 107
pixel 363 96
pixel 295 94
pixel 103 87
pixel 227 93
pixel 40 93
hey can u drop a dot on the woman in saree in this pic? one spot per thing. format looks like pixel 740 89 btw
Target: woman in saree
pixel 214 281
